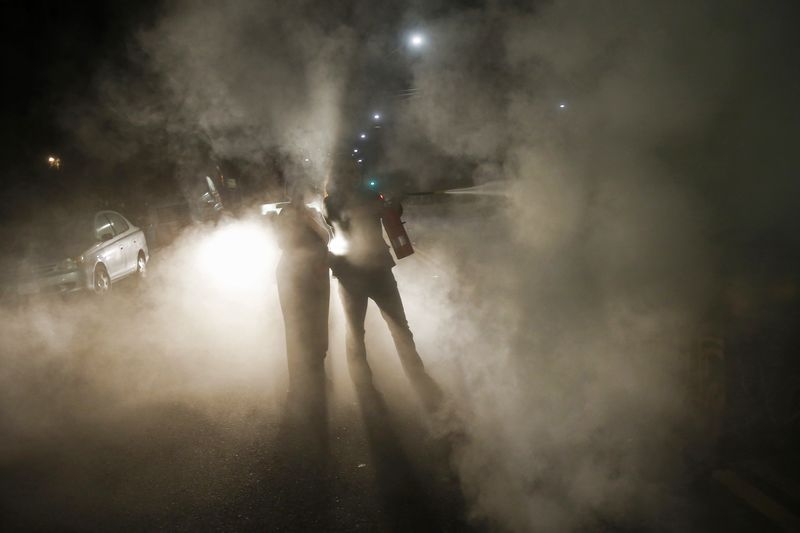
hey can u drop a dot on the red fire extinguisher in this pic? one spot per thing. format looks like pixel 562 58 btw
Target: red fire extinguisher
pixel 395 230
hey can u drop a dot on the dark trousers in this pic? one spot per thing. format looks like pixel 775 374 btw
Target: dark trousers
pixel 356 288
pixel 304 294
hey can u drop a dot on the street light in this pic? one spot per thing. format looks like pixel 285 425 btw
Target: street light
pixel 376 116
pixel 54 162
pixel 363 135
pixel 416 40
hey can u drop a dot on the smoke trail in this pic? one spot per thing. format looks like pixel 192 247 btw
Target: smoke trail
pixel 208 82
pixel 577 307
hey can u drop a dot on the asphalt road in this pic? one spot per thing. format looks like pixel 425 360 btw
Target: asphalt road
pixel 163 408
pixel 168 467
pixel 130 414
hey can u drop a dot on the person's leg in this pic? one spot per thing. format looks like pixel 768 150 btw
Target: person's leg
pixel 315 332
pixel 293 324
pixel 354 302
pixel 304 301
pixel 316 327
pixel 386 295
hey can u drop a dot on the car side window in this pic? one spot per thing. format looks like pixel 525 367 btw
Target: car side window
pixel 118 222
pixel 102 226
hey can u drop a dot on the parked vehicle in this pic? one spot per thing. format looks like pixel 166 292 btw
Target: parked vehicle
pixel 164 222
pixel 71 254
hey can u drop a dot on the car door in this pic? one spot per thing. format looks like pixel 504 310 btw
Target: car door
pixel 111 252
pixel 125 234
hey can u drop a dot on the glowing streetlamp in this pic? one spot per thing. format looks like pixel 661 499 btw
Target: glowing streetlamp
pixel 363 135
pixel 54 162
pixel 376 116
pixel 416 40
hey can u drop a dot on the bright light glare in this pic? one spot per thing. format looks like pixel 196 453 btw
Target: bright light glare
pixel 355 150
pixel 363 135
pixel 316 205
pixel 266 209
pixel 416 40
pixel 562 105
pixel 237 258
pixel 338 245
pixel 376 116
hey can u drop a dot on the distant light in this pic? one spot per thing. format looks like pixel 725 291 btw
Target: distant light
pixel 54 161
pixel 360 161
pixel 376 116
pixel 306 160
pixel 416 40
pixel 355 150
pixel 562 105
pixel 372 183
pixel 363 135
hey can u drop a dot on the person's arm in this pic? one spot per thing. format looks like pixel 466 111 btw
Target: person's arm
pixel 318 224
pixel 331 212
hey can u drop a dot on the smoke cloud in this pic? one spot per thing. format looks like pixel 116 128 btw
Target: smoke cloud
pixel 579 304
pixel 207 82
pixel 558 316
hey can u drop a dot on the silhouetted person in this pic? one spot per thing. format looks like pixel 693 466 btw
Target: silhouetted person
pixel 304 291
pixel 364 271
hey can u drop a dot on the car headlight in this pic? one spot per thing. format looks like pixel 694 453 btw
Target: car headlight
pixel 70 264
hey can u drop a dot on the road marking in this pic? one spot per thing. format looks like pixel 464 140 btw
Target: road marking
pixel 759 501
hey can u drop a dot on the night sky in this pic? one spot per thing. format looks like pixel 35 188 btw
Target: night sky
pixel 55 56
pixel 51 52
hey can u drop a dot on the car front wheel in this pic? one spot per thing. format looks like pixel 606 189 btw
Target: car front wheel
pixel 102 281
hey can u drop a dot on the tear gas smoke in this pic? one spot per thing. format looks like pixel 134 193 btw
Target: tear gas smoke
pixel 559 322
pixel 570 324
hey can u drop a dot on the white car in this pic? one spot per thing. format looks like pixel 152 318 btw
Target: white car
pixel 71 254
